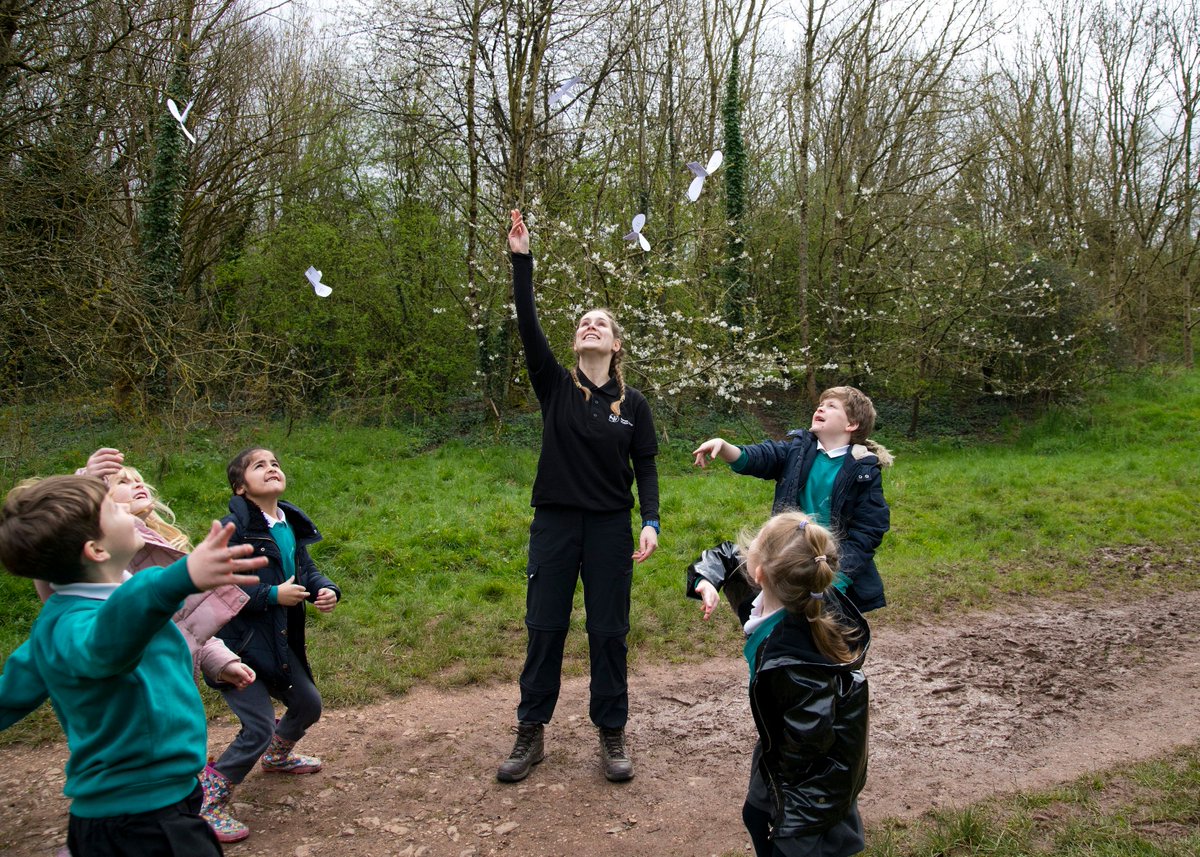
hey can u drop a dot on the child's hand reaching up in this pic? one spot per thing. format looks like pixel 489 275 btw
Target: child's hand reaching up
pixel 326 600
pixel 237 674
pixel 214 563
pixel 104 462
pixel 290 593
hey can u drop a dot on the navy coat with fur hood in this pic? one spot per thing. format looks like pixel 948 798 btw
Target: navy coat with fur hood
pixel 268 636
pixel 859 516
pixel 812 719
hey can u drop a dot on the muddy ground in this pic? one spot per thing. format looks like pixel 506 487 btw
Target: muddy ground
pixel 963 708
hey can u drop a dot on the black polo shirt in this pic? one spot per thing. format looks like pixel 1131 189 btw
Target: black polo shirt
pixel 590 456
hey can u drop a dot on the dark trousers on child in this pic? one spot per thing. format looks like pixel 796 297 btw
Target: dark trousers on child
pixel 255 708
pixel 564 545
pixel 167 832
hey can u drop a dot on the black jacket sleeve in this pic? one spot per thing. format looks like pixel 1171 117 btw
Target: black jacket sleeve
pixel 645 471
pixel 642 453
pixel 725 569
pixel 539 359
pixel 260 593
pixel 765 460
pixel 864 529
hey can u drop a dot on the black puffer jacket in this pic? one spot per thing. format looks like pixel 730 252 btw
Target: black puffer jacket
pixel 812 718
pixel 859 514
pixel 267 636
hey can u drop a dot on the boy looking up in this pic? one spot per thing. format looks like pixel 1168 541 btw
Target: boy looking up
pixel 831 471
pixel 115 667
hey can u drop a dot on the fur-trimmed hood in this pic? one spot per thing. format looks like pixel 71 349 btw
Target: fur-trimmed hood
pixel 870 447
pixel 858 450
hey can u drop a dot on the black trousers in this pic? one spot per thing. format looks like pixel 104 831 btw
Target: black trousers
pixel 564 545
pixel 173 831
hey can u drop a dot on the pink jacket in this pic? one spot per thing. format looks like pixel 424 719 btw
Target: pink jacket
pixel 202 614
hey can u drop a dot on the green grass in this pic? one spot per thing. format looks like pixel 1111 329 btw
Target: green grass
pixel 429 542
pixel 1025 516
pixel 1150 809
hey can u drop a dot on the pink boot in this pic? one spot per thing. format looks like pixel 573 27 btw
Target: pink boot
pixel 215 809
pixel 279 759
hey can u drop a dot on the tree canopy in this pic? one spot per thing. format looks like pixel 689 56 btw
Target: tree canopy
pixel 925 201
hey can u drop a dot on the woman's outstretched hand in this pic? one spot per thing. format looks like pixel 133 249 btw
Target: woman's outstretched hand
pixel 518 236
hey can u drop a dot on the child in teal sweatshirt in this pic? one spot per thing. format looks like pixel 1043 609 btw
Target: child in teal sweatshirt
pixel 115 668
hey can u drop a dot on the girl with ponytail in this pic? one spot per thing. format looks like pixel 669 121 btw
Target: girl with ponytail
pixel 805 645
pixel 598 439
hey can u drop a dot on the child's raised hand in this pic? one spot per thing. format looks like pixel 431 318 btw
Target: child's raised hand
pixel 326 600
pixel 518 236
pixel 104 462
pixel 289 593
pixel 237 674
pixel 708 595
pixel 215 563
pixel 709 450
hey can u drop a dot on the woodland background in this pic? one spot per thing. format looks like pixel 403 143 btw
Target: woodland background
pixel 939 202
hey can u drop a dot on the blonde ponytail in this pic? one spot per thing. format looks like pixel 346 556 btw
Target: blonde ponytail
pixel 799 560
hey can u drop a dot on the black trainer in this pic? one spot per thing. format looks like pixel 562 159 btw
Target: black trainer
pixel 526 752
pixel 617 765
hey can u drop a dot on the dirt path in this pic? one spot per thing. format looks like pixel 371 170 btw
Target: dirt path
pixel 989 704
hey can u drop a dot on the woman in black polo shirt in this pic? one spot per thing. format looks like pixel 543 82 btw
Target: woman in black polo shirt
pixel 597 438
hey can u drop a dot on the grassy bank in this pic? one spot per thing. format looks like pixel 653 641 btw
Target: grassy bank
pixel 1145 810
pixel 1151 809
pixel 429 545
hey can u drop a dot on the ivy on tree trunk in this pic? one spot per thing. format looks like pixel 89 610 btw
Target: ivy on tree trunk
pixel 162 250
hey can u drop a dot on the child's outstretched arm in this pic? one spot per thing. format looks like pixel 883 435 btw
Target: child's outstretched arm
pixel 21 687
pixel 720 568
pixel 110 640
pixel 713 449
pixel 708 595
pixel 766 460
pixel 103 463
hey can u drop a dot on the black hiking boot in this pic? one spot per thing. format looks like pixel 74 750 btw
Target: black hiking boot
pixel 617 766
pixel 526 752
